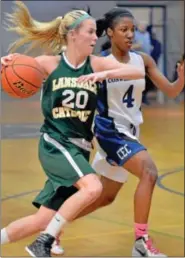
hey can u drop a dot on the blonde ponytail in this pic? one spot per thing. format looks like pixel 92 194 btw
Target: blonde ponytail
pixel 38 34
pixel 50 36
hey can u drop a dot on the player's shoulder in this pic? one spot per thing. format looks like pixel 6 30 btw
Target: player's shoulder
pixel 47 62
pixel 46 58
pixel 143 55
pixel 99 63
pixel 95 58
pixel 136 53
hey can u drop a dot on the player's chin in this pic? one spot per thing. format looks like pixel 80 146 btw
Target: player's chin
pixel 129 46
pixel 126 47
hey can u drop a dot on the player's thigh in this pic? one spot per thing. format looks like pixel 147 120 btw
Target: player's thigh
pixel 110 189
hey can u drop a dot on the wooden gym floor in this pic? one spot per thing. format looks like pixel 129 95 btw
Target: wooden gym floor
pixel 108 231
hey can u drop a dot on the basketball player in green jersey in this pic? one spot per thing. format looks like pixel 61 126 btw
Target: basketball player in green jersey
pixel 68 103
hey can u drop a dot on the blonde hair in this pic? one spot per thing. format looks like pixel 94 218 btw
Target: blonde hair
pixel 51 36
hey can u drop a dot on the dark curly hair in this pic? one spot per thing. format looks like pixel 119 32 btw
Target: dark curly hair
pixel 110 19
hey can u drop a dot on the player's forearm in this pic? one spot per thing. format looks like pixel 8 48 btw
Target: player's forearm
pixel 175 88
pixel 128 72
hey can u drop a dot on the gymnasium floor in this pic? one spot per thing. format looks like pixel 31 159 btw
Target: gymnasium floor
pixel 108 231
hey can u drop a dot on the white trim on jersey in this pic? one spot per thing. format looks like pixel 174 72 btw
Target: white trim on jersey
pixel 70 65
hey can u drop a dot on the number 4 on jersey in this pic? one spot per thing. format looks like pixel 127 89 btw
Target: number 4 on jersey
pixel 127 98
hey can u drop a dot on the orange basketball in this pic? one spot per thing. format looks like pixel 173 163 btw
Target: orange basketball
pixel 22 78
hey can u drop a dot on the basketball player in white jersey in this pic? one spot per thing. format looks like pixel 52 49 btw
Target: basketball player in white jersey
pixel 117 127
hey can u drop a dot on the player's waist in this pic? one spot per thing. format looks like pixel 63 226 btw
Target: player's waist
pixel 108 126
pixel 81 137
pixel 132 131
pixel 82 143
pixel 124 117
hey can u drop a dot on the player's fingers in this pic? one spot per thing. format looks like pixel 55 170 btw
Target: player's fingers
pixel 4 61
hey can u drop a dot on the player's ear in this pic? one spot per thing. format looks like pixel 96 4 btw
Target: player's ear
pixel 109 32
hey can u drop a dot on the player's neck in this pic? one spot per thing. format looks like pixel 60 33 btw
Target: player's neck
pixel 74 57
pixel 120 55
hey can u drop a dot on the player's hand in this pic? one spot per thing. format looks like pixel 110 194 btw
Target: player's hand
pixel 180 71
pixel 93 77
pixel 5 60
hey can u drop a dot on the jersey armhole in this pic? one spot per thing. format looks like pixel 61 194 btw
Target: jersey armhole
pixel 141 56
pixel 49 75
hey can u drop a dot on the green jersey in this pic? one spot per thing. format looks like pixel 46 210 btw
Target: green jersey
pixel 68 107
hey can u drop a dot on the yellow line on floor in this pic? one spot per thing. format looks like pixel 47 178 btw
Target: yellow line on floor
pixel 97 235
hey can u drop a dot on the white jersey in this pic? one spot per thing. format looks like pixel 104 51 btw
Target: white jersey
pixel 124 98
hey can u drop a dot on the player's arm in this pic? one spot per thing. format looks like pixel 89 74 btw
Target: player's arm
pixel 5 60
pixel 106 68
pixel 171 89
pixel 115 69
pixel 47 63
